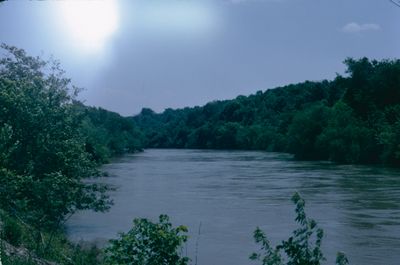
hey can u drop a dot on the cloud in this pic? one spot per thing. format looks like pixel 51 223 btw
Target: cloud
pixel 354 27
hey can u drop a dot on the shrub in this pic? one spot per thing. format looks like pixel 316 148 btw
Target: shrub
pixel 11 231
pixel 149 243
pixel 302 248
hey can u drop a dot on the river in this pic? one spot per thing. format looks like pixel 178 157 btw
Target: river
pixel 230 193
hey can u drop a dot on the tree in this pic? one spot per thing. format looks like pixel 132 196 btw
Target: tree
pixel 306 126
pixel 372 85
pixel 43 162
pixel 303 248
pixel 149 243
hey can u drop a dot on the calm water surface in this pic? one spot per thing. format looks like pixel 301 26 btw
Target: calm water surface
pixel 232 192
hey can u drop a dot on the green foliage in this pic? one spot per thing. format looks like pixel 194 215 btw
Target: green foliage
pixel 21 235
pixel 341 259
pixel 13 260
pixel 302 248
pixel 352 119
pixel 107 133
pixel 42 160
pixel 86 255
pixel 50 144
pixel 389 139
pixel 11 231
pixel 347 139
pixel 306 126
pixel 149 243
pixel 372 85
pixel 258 121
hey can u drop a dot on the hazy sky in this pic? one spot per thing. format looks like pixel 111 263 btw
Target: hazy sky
pixel 159 54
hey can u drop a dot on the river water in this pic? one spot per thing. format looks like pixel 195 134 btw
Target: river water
pixel 230 193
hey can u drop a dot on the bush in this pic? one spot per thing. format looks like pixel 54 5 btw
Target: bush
pixel 11 232
pixel 149 243
pixel 17 261
pixel 86 255
pixel 303 248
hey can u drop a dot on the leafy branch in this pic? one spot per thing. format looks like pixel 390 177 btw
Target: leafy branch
pixel 302 248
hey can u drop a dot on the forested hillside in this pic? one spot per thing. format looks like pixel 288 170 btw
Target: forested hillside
pixel 353 119
pixel 107 133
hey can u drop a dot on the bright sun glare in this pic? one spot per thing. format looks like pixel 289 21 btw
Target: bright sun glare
pixel 90 23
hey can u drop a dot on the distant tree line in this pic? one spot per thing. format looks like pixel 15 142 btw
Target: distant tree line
pixel 352 119
pixel 107 133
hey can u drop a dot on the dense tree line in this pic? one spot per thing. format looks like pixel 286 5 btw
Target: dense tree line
pixel 351 119
pixel 107 133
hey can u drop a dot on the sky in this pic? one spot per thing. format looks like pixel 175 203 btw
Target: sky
pixel 160 54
